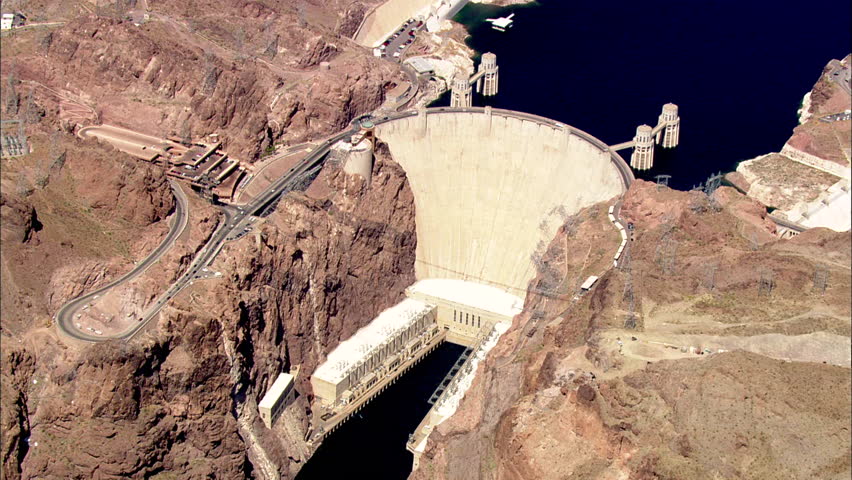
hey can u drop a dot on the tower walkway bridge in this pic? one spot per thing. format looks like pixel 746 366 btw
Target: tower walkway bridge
pixel 632 143
pixel 666 134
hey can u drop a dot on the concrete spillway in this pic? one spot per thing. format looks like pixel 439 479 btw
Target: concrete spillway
pixel 491 188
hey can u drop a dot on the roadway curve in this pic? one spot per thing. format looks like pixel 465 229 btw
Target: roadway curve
pixel 236 218
pixel 65 315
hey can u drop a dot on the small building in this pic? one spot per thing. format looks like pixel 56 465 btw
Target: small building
pixel 421 65
pixel 587 285
pixel 277 397
pixel 12 20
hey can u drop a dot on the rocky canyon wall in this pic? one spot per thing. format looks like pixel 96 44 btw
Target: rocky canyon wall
pixel 182 400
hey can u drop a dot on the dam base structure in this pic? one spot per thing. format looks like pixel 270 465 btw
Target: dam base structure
pixel 489 187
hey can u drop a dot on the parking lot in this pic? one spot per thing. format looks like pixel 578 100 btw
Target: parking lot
pixel 395 45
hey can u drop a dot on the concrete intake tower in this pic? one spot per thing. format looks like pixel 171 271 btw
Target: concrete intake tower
pixel 666 133
pixel 486 80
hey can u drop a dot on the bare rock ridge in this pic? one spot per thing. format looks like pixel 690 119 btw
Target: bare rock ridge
pixel 20 221
pixel 241 69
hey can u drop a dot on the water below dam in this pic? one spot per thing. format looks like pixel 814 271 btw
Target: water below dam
pixel 371 444
pixel 737 69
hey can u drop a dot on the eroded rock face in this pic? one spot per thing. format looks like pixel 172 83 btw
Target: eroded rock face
pixel 183 400
pixel 17 367
pixel 732 415
pixel 20 221
pixel 246 71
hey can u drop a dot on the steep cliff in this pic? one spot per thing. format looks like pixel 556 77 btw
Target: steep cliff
pixel 183 398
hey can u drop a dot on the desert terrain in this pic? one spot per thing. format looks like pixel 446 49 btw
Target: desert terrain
pixel 717 350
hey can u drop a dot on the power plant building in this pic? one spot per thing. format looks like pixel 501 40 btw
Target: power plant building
pixel 278 397
pixel 374 350
pixel 466 308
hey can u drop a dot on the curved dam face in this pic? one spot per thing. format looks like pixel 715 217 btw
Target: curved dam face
pixel 493 186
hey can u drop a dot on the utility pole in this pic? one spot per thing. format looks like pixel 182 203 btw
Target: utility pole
pixel 628 294
pixel 710 275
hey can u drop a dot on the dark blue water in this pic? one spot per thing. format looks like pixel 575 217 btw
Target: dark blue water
pixel 737 70
pixel 371 445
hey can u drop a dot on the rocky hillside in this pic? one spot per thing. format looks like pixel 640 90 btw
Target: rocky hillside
pixel 571 393
pixel 249 71
pixel 183 398
pixel 59 216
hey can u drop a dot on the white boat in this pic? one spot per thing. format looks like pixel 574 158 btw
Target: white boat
pixel 502 23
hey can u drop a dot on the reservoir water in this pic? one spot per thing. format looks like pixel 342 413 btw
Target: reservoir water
pixel 737 69
pixel 371 445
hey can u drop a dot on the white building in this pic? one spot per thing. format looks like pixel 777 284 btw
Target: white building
pixel 6 21
pixel 11 20
pixel 377 348
pixel 278 397
pixel 465 308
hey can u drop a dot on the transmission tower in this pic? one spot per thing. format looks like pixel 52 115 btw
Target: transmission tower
pixel 628 295
pixel 710 275
pixel 713 182
pixel 662 181
pixel 766 284
pixel 820 279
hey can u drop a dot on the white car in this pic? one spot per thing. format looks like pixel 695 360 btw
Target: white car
pixel 396 54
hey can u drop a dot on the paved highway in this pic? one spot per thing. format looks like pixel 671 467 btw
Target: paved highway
pixel 65 315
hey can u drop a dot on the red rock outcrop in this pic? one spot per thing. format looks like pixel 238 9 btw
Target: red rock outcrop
pixel 20 221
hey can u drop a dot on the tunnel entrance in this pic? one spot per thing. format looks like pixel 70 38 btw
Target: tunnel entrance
pixel 372 444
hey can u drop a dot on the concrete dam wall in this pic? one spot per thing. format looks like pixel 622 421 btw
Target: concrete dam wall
pixel 492 188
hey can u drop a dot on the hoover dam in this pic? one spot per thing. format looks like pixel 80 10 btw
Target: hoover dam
pixel 491 188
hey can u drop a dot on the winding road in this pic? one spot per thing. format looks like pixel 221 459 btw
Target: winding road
pixel 235 220
pixel 65 315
